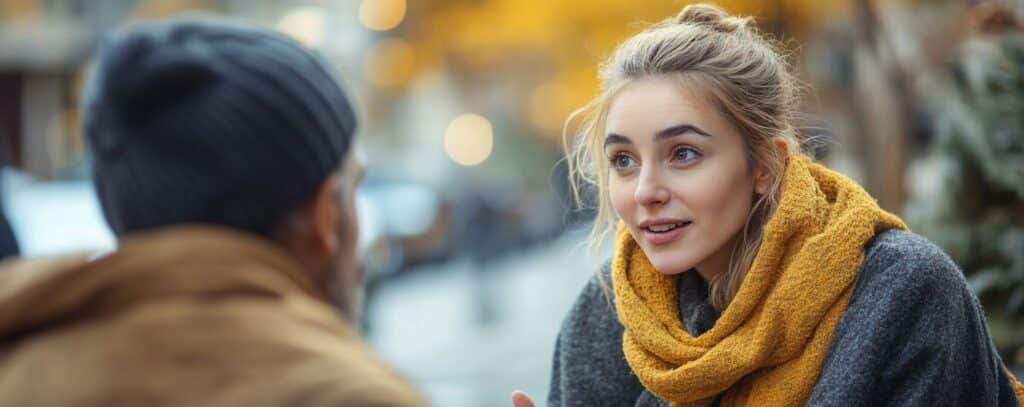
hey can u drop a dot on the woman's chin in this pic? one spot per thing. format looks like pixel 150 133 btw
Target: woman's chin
pixel 669 268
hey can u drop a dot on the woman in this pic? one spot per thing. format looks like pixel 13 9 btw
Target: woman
pixel 744 273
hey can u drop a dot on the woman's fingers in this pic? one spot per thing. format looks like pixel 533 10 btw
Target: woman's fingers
pixel 520 399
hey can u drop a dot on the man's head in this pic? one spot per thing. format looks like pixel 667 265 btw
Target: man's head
pixel 323 234
pixel 209 122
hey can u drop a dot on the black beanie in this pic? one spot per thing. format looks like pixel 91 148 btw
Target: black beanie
pixel 207 121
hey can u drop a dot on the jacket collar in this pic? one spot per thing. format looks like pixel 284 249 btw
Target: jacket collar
pixel 182 261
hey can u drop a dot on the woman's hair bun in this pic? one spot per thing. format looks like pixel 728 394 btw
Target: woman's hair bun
pixel 713 17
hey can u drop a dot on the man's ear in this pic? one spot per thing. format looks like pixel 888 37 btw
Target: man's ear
pixel 763 179
pixel 321 216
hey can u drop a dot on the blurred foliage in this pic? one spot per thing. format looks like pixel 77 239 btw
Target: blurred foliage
pixel 979 215
pixel 19 10
pixel 164 8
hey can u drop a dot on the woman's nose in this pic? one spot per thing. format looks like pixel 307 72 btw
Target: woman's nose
pixel 649 190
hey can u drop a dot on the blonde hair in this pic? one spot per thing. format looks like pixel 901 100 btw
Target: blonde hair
pixel 749 81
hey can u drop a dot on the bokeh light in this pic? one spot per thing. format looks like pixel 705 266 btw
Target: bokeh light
pixel 469 139
pixel 305 24
pixel 381 15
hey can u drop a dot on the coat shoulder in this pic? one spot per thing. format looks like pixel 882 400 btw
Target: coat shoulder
pixel 902 259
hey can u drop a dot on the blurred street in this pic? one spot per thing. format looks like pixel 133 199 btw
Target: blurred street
pixel 468 334
pixel 462 109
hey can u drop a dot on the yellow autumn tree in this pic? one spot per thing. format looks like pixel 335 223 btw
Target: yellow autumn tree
pixel 552 47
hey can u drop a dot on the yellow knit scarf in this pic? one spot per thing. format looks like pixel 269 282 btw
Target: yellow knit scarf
pixel 768 346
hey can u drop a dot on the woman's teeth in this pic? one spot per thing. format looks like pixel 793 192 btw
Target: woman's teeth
pixel 664 228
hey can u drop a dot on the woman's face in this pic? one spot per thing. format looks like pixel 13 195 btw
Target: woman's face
pixel 679 176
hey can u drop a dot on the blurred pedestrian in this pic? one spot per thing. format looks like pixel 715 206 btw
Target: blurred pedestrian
pixel 224 164
pixel 8 241
pixel 744 272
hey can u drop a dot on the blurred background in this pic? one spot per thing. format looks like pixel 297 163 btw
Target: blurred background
pixel 474 250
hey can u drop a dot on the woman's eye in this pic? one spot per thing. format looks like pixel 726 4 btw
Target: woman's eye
pixel 686 154
pixel 622 161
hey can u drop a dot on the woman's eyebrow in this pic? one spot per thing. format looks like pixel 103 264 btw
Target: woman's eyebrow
pixel 613 138
pixel 680 129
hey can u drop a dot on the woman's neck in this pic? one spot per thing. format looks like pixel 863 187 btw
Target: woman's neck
pixel 718 262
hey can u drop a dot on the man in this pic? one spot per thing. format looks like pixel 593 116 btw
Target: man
pixel 223 163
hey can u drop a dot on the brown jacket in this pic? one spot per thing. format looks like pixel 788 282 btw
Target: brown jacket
pixel 190 316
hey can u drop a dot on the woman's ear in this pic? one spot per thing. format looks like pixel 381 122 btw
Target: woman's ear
pixel 763 177
pixel 781 148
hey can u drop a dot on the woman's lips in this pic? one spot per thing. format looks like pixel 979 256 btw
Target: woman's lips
pixel 663 238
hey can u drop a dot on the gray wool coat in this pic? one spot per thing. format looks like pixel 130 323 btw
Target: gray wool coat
pixel 913 334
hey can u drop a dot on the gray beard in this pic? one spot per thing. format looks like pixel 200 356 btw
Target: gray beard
pixel 348 301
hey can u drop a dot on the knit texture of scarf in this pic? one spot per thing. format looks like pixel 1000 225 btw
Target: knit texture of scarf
pixel 769 344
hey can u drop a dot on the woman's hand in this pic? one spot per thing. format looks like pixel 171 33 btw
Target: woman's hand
pixel 520 399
